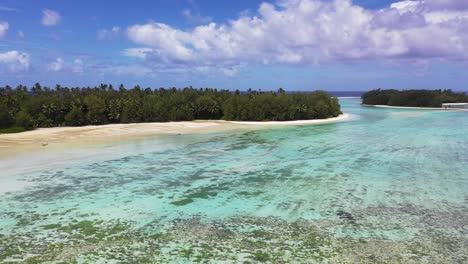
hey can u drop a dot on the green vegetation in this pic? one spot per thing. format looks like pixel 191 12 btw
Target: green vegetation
pixel 413 98
pixel 11 130
pixel 23 109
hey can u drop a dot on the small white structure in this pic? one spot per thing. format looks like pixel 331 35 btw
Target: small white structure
pixel 455 105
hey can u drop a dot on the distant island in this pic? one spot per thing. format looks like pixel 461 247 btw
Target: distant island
pixel 413 98
pixel 24 108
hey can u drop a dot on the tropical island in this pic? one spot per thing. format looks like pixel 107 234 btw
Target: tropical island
pixel 24 108
pixel 413 98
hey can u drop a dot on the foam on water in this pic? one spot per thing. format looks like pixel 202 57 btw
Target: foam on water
pixel 388 185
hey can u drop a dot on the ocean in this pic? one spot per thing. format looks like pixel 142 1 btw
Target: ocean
pixel 386 186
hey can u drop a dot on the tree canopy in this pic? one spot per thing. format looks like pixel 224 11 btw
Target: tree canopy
pixel 413 98
pixel 35 107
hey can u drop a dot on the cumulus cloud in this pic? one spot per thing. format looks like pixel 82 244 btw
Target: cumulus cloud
pixel 4 26
pixel 50 17
pixel 313 31
pixel 109 33
pixel 59 64
pixel 171 42
pixel 448 4
pixel 15 61
pixel 56 65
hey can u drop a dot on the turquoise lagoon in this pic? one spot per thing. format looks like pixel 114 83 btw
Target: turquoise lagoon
pixel 387 186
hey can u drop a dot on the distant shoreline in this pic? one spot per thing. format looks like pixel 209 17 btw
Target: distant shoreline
pixel 44 137
pixel 415 108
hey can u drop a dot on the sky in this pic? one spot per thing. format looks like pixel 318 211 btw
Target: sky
pixel 294 44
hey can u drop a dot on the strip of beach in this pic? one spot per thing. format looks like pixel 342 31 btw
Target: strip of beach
pixel 45 137
pixel 415 108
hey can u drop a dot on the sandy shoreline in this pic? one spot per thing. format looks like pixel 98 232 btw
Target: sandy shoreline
pixel 415 108
pixel 77 135
pixel 297 122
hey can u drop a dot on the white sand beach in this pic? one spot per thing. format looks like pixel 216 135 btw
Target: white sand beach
pixel 416 108
pixel 45 137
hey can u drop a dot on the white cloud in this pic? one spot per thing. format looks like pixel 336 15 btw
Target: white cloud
pixel 50 17
pixel 409 5
pixel 56 65
pixel 15 61
pixel 309 32
pixel 171 41
pixel 108 33
pixel 4 26
pixel 447 4
pixel 59 65
pixel 78 66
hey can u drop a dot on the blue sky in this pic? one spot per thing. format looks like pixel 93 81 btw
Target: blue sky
pixel 294 44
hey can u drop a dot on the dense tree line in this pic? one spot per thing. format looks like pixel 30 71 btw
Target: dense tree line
pixel 29 108
pixel 413 98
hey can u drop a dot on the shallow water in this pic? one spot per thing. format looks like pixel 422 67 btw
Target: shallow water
pixel 388 186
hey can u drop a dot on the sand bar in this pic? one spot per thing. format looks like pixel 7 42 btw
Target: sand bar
pixel 46 137
pixel 416 108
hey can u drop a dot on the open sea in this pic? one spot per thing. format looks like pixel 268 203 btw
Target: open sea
pixel 386 186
